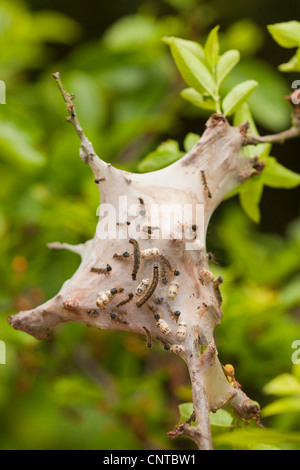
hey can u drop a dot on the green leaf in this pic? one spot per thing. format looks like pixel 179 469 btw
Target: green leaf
pixel 246 34
pixel 250 196
pixel 276 175
pixel 286 34
pixel 268 106
pixel 75 390
pixel 165 154
pixel 289 295
pixel 66 30
pixel 284 405
pixel 243 114
pixel 226 63
pixel 132 32
pixel 264 447
pixel 193 70
pixel 238 95
pixel 195 98
pixel 193 46
pixel 16 146
pixel 212 47
pixel 190 140
pixel 246 439
pixel 293 65
pixel 186 410
pixel 221 418
pixel 284 384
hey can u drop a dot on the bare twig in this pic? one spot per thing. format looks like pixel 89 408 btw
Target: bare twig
pixel 87 152
pixel 280 137
pixel 185 429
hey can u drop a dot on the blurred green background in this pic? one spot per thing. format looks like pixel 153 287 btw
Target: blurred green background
pixel 90 389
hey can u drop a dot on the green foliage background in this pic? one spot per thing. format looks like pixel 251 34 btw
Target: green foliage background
pixel 90 389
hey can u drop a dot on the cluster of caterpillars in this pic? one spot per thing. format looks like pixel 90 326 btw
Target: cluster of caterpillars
pixel 146 290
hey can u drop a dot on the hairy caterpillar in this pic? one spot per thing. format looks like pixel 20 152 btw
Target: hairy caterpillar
pixel 152 287
pixel 148 335
pixel 136 257
pixel 125 301
pixel 204 182
pixel 101 270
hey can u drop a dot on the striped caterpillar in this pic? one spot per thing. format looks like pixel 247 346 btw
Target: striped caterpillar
pixel 173 290
pixel 136 257
pixel 153 253
pixel 162 325
pixel 101 270
pixel 149 292
pixel 105 297
pixel 125 301
pixel 204 182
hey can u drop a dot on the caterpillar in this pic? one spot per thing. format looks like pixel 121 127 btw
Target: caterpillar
pixel 173 290
pixel 206 276
pixel 168 264
pixel 125 301
pixel 136 257
pixel 176 314
pixel 123 256
pixel 148 335
pixel 210 258
pixel 152 287
pixel 101 270
pixel 162 325
pixel 204 182
pixel 181 331
pixel 150 253
pixel 92 312
pixel 218 281
pixel 177 349
pixel 113 316
pixel 105 297
pixel 99 180
pixel 218 294
pixel 142 287
pixel 142 211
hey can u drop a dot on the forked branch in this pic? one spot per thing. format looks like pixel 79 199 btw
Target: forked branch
pixel 87 152
pixel 280 137
pixel 103 293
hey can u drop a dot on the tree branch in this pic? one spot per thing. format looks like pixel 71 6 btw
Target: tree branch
pixel 197 365
pixel 184 321
pixel 280 137
pixel 87 152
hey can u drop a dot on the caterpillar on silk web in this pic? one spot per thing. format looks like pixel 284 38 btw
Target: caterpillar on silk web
pixel 152 287
pixel 136 257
